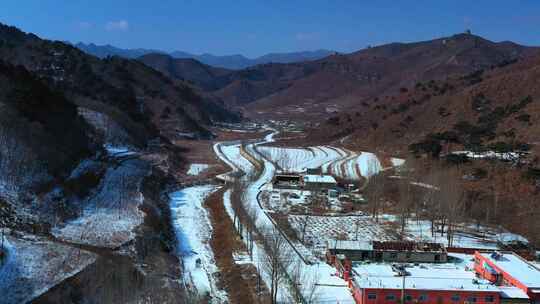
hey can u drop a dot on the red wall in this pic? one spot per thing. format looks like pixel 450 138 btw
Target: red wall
pixel 433 296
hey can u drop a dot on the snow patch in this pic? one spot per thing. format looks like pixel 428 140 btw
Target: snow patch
pixel 196 169
pixel 34 265
pixel 193 232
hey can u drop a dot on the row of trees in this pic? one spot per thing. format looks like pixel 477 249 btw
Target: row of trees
pixel 276 262
pixel 437 196
pixel 482 193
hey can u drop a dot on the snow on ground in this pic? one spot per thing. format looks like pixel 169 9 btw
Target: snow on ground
pixel 299 159
pixel 509 238
pixel 322 229
pixel 110 215
pixel 354 166
pixel 193 232
pixel 35 265
pixel 344 164
pixel 196 169
pixel 118 151
pixel 329 287
pixel 396 162
pixel 283 199
pixel 509 156
pixel 369 164
pixel 466 236
pixel 8 191
pixel 230 154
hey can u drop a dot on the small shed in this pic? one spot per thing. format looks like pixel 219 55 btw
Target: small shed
pixel 317 182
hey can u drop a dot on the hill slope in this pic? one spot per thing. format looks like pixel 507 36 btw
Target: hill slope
pixel 313 89
pixel 142 101
pixel 41 134
pixel 472 112
pixel 339 82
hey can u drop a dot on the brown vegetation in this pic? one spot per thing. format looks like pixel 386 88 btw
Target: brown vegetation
pixel 238 280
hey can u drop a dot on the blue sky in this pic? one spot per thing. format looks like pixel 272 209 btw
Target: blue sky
pixel 256 27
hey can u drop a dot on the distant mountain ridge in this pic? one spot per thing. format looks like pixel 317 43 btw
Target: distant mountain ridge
pixel 313 89
pixel 234 62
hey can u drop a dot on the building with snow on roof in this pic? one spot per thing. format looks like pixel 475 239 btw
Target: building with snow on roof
pixel 509 269
pixel 318 182
pixel 408 272
pixel 388 251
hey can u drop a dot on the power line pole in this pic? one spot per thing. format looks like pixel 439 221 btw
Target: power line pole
pixel 403 289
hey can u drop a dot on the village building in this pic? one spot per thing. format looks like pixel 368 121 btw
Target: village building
pixel 389 251
pixel 315 182
pixel 388 272
pixel 419 283
pixel 509 269
pixel 287 181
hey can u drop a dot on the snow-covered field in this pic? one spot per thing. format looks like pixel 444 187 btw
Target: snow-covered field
pixel 509 156
pixel 230 154
pixel 354 166
pixel 110 215
pixel 193 232
pixel 466 236
pixel 35 265
pixel 196 169
pixel 300 159
pixel 322 229
pixel 342 163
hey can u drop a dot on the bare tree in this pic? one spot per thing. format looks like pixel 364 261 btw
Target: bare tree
pixel 357 224
pixel 374 193
pixel 407 201
pixel 276 260
pixel 2 249
pixel 404 204
pixel 251 228
pixel 431 200
pixel 304 221
pixel 451 198
pixel 305 283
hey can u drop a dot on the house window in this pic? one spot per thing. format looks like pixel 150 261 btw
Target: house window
pixel 408 298
pixel 372 296
pixel 471 299
pixel 390 297
pixel 490 299
pixel 422 298
pixel 455 298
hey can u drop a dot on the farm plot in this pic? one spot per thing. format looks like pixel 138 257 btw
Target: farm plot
pixel 466 236
pixel 318 230
pixel 354 166
pixel 299 159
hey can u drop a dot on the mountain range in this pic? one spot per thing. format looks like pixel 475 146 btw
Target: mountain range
pixel 234 62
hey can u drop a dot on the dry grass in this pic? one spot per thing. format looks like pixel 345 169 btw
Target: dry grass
pixel 238 280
